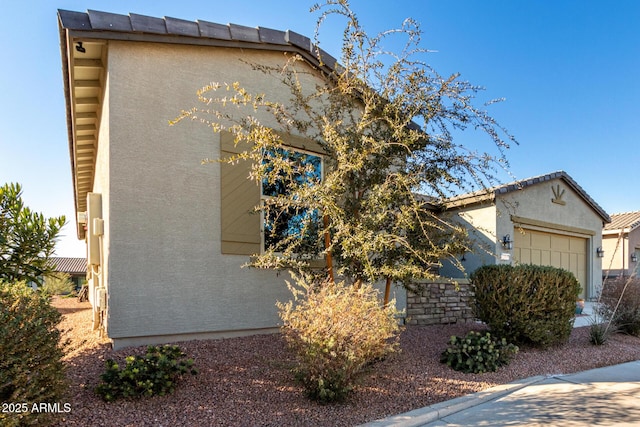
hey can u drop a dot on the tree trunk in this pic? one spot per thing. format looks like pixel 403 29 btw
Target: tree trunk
pixel 387 291
pixel 327 245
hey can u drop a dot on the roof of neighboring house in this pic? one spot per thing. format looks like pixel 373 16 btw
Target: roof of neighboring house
pixel 625 222
pixel 70 265
pixel 83 43
pixel 491 193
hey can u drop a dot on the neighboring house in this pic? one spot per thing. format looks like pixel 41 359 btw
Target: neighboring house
pixel 76 268
pixel 621 244
pixel 545 220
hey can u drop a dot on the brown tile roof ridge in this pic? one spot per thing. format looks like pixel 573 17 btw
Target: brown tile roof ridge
pixel 107 25
pixel 490 193
pixel 624 221
pixel 69 265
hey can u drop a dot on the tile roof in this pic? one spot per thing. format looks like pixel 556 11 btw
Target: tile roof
pixel 490 194
pixel 104 25
pixel 627 221
pixel 70 265
pixel 84 43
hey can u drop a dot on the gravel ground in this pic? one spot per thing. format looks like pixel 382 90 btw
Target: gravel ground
pixel 247 381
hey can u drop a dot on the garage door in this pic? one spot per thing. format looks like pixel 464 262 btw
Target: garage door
pixel 556 250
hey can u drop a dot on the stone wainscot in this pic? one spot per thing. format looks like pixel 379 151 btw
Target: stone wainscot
pixel 440 302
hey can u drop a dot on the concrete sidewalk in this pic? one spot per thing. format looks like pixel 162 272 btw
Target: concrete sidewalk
pixel 603 396
pixel 588 316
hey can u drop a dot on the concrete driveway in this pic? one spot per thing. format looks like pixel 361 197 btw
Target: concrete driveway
pixel 604 396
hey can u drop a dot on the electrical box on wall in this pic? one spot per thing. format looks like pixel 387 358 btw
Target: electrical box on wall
pixel 102 298
pixel 98 226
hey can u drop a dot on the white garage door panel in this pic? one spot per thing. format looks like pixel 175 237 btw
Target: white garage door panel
pixel 556 250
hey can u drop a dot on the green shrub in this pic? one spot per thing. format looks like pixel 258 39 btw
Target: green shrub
pixel 526 304
pixel 620 302
pixel 31 368
pixel 58 284
pixel 335 331
pixel 600 332
pixel 153 374
pixel 477 353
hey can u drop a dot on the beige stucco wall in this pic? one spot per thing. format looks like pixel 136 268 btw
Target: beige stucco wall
pixel 634 246
pixel 167 277
pixel 616 249
pixel 617 253
pixel 99 276
pixel 480 222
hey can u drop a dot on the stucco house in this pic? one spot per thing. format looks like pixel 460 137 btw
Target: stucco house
pixel 543 220
pixel 76 268
pixel 621 244
pixel 167 237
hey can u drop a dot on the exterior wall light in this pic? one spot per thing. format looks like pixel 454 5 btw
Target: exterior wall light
pixel 80 48
pixel 507 243
pixel 634 257
pixel 600 252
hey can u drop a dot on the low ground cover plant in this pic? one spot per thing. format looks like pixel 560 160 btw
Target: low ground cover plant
pixel 31 368
pixel 526 304
pixel 154 374
pixel 335 332
pixel 478 353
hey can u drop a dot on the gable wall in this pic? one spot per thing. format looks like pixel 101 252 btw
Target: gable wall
pixel 167 276
pixel 573 218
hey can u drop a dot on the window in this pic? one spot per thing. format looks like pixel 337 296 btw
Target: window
pixel 278 226
pixel 242 231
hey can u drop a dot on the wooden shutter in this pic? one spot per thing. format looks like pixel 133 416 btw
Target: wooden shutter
pixel 238 197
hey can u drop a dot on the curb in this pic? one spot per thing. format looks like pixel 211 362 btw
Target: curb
pixel 421 416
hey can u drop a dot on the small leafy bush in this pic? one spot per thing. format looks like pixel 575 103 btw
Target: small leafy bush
pixel 31 368
pixel 336 331
pixel 477 353
pixel 58 284
pixel 153 374
pixel 620 302
pixel 526 304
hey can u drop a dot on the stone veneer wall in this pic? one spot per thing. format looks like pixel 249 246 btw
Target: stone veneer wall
pixel 440 302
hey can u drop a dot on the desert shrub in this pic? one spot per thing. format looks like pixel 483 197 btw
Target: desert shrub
pixel 526 304
pixel 153 374
pixel 620 302
pixel 599 332
pixel 31 368
pixel 336 331
pixel 477 353
pixel 57 284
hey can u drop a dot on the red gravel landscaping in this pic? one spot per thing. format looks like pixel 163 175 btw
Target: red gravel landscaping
pixel 248 381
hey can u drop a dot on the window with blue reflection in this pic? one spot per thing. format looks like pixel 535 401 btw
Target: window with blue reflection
pixel 294 222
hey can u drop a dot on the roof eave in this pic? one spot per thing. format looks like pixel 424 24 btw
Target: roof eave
pixel 64 46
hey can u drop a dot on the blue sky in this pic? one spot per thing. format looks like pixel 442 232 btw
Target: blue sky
pixel 569 70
